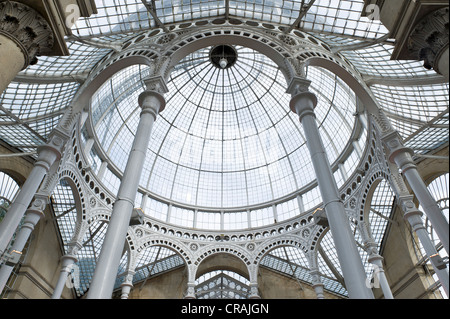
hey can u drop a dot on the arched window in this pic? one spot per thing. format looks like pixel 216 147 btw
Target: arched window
pixel 8 191
pixel 64 207
pixel 153 261
pixel 222 284
pixel 64 201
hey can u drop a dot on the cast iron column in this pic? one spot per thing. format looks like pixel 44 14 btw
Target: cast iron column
pixel 151 102
pixel 33 215
pixel 68 262
pixel 402 157
pixel 48 155
pixel 303 103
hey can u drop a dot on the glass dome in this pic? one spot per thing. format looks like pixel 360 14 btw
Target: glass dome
pixel 227 138
pixel 214 149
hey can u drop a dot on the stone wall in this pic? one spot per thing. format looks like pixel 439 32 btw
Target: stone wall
pixel 40 267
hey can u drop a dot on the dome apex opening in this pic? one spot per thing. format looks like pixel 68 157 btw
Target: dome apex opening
pixel 223 56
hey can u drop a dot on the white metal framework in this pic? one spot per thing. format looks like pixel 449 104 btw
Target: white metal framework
pixel 227 168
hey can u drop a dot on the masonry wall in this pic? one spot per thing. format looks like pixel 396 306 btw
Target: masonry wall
pixel 407 279
pixel 170 285
pixel 273 285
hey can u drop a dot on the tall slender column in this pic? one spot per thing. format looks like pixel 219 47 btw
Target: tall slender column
pixel 314 272
pixel 67 264
pixel 127 285
pixel 48 155
pixel 34 214
pixel 414 217
pixel 317 283
pixel 303 104
pixel 151 102
pixel 24 33
pixel 253 278
pixel 402 157
pixel 375 259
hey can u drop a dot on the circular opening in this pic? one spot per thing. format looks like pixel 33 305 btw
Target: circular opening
pixel 201 23
pixel 268 26
pixel 139 39
pixel 185 25
pixel 252 23
pixel 219 21
pixel 313 40
pixel 154 33
pixel 299 34
pixel 235 21
pixel 223 56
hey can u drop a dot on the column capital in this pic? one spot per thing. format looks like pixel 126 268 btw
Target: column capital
pixel 152 102
pixel 429 39
pixel 128 280
pixel 190 291
pixel 316 283
pixel 371 249
pixel 298 85
pixel 52 150
pixel 35 212
pixel 39 204
pixel 254 293
pixel 394 144
pixel 74 247
pixel 407 202
pixel 303 101
pixel 157 84
pixel 68 259
pixel 364 230
pixel 409 208
pixel 153 97
pixel 27 28
pixel 375 258
pixel 315 275
pixel 127 284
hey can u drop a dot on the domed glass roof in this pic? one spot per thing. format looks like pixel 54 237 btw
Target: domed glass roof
pixel 227 137
pixel 215 151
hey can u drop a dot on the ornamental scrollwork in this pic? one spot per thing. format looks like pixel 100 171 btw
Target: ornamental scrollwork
pixel 27 28
pixel 429 37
